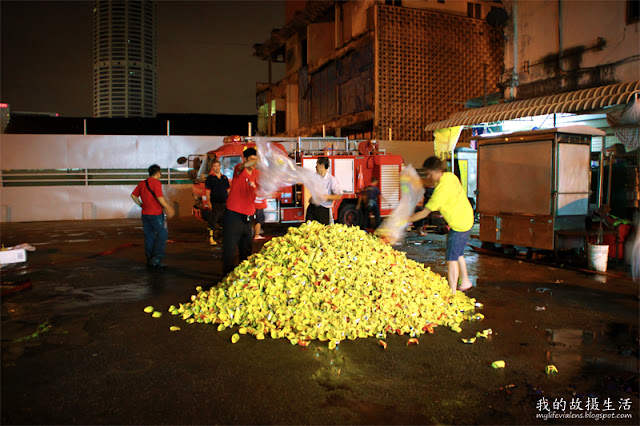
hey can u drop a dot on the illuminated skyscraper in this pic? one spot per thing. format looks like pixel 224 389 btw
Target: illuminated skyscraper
pixel 125 58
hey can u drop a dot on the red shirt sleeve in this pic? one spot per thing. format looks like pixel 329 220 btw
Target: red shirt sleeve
pixel 156 186
pixel 236 170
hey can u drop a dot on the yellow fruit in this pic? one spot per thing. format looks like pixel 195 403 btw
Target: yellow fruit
pixel 156 314
pixel 330 283
pixel 148 309
pixel 235 338
pixel 174 328
pixel 485 333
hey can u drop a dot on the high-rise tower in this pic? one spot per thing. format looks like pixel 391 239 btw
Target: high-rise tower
pixel 125 58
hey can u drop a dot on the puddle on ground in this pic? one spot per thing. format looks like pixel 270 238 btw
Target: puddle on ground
pixel 335 375
pixel 608 353
pixel 332 374
pixel 65 298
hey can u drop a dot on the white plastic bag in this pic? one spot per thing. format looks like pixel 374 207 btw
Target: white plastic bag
pixel 394 227
pixel 277 170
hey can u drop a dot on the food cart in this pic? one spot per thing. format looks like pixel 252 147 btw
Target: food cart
pixel 533 187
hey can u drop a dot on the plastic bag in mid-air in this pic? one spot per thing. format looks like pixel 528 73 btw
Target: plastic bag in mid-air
pixel 277 170
pixel 394 227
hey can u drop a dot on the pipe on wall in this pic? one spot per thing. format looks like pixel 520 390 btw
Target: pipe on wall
pixel 560 43
pixel 514 74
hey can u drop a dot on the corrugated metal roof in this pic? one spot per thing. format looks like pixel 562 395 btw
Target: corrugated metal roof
pixel 579 101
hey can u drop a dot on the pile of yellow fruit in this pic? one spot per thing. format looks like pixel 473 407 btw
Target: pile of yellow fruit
pixel 329 283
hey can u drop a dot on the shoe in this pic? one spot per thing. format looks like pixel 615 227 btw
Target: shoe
pixel 157 265
pixel 259 237
pixel 157 268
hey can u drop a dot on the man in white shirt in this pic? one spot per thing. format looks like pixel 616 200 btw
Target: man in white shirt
pixel 322 213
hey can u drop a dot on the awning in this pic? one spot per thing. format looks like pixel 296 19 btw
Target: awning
pixel 579 101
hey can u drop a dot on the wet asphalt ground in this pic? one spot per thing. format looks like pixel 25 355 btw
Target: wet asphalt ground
pixel 77 347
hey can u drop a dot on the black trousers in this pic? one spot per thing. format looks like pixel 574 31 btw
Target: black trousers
pixel 236 232
pixel 367 209
pixel 319 214
pixel 216 215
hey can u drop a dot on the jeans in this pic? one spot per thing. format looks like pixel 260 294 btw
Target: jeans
pixel 155 238
pixel 456 242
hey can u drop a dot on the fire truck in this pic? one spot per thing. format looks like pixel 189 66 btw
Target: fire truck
pixel 354 163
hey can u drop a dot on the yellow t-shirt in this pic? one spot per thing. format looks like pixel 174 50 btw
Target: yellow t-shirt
pixel 451 201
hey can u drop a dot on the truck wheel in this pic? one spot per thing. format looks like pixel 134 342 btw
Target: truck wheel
pixel 348 214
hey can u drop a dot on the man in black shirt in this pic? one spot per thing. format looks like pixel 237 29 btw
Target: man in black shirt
pixel 368 203
pixel 216 190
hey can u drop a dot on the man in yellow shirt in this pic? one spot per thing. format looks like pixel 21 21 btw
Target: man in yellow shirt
pixel 451 201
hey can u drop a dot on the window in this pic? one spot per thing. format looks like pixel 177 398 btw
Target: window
pixel 633 11
pixel 228 164
pixel 474 10
pixel 303 43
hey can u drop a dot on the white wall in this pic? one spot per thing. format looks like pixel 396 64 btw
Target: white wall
pixel 24 204
pixel 583 22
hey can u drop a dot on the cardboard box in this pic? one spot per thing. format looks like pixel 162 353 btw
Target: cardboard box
pixel 12 256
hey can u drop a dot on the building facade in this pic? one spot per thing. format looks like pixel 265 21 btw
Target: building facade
pixel 377 69
pixel 587 44
pixel 125 58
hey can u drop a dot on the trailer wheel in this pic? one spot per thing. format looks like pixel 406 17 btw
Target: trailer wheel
pixel 348 214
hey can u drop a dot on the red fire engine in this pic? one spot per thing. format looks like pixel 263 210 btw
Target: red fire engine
pixel 353 163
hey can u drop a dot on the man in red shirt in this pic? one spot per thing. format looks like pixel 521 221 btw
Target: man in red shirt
pixel 236 228
pixel 148 195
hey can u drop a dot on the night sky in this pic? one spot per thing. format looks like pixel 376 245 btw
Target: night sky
pixel 205 55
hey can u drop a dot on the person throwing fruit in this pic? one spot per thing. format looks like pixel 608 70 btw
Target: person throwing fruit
pixel 236 229
pixel 451 201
